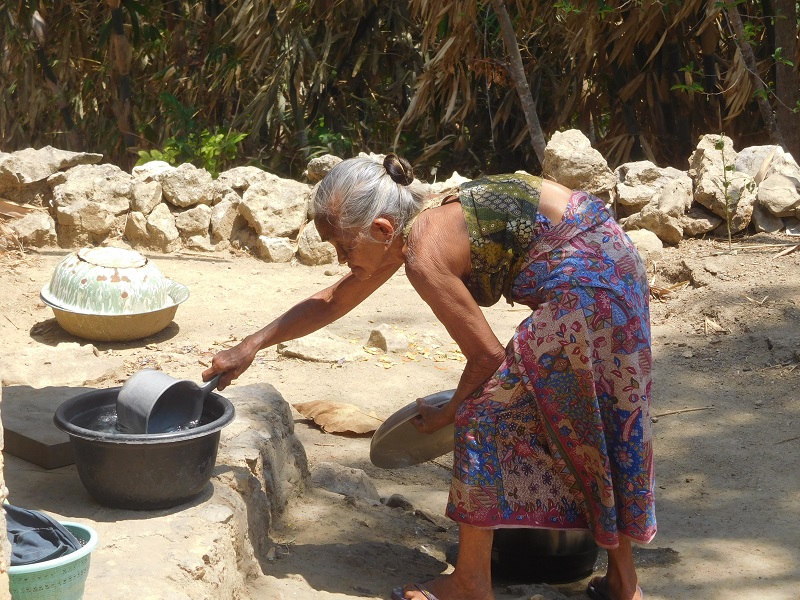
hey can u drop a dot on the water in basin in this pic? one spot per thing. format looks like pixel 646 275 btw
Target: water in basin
pixel 104 420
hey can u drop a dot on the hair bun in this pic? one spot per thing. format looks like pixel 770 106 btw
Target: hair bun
pixel 399 169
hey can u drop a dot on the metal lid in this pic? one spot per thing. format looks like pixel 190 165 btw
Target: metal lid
pixel 397 443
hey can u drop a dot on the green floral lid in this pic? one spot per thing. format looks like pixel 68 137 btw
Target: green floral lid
pixel 108 281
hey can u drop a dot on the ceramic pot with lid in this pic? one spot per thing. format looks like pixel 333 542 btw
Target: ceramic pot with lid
pixel 108 281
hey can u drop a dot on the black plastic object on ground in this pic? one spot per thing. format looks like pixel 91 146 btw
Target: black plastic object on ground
pixel 142 471
pixel 523 555
pixel 35 537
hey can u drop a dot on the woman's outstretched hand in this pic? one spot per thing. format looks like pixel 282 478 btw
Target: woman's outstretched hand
pixel 232 362
pixel 431 418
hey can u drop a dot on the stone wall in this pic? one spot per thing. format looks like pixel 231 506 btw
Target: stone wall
pixel 760 185
pixel 71 200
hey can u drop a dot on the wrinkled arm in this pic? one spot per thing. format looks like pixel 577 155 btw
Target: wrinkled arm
pixel 454 306
pixel 307 316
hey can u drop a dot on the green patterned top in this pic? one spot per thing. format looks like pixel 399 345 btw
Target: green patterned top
pixel 501 217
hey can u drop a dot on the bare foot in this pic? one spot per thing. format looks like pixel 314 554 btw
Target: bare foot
pixel 446 587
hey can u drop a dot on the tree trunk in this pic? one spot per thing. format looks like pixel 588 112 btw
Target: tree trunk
pixel 173 15
pixel 787 80
pixel 750 62
pixel 122 57
pixel 39 28
pixel 298 114
pixel 517 71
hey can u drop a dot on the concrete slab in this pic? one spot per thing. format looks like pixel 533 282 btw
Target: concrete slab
pixel 29 431
pixel 40 365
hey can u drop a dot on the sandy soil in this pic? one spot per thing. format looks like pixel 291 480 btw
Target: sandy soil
pixel 726 396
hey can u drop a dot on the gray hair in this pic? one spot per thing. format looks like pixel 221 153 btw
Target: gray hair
pixel 359 190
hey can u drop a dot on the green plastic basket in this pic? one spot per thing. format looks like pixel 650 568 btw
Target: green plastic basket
pixel 58 579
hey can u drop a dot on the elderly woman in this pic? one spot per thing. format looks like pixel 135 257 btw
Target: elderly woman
pixel 552 430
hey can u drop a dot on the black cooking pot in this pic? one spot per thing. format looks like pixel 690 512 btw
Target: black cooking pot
pixel 141 471
pixel 523 555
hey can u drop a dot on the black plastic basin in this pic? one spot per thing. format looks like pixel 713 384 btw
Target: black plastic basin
pixel 522 555
pixel 142 471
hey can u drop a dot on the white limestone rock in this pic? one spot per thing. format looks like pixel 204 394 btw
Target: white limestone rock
pixel 83 223
pixel 275 249
pixel 320 166
pixel 570 160
pixel 448 184
pixel 779 194
pixel 640 183
pixel 387 338
pixel 151 171
pixel 311 250
pixel 31 165
pixel 665 226
pixel 193 221
pixel 240 179
pixel 322 346
pixel 186 186
pixel 699 221
pixel 708 168
pixel 36 229
pixel 648 244
pixel 347 481
pixel 764 221
pixel 146 196
pixel 223 217
pixel 276 207
pixel 136 229
pixel 162 234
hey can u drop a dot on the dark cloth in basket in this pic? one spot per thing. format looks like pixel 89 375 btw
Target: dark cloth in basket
pixel 36 537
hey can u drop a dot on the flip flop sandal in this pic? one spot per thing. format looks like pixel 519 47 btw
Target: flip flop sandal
pixel 398 593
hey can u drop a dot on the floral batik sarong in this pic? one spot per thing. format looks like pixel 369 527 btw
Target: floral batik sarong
pixel 560 437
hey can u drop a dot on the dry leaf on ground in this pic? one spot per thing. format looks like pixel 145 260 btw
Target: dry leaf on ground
pixel 15 210
pixel 338 417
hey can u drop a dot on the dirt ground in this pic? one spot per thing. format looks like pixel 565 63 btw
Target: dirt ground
pixel 726 396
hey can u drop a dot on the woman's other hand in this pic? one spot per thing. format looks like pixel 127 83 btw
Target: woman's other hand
pixel 432 418
pixel 232 362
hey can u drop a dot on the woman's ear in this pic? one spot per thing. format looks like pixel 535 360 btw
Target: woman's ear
pixel 382 229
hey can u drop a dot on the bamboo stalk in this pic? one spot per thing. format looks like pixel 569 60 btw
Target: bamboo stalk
pixel 758 246
pixel 787 251
pixel 681 411
pixel 797 437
